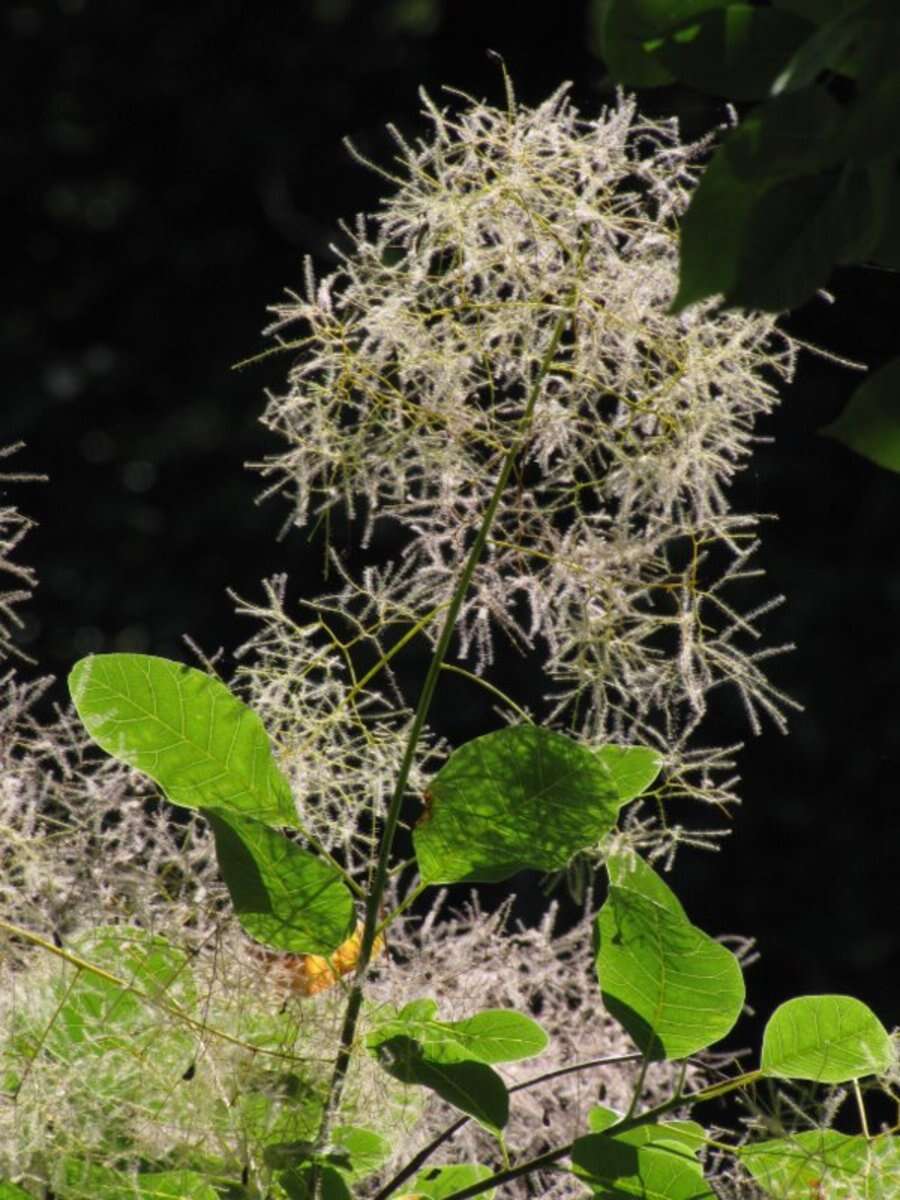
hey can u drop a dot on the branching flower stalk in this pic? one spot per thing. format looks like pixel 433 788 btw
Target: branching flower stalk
pixel 376 894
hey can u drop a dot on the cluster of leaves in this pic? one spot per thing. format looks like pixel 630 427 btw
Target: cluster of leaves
pixel 673 988
pixel 809 178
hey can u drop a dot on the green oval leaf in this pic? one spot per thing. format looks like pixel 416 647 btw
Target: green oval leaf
pixel 472 1087
pixel 418 1010
pixel 825 1162
pixel 367 1150
pixel 522 797
pixel 678 1136
pixel 735 51
pixel 765 222
pixel 827 1039
pixel 826 50
pixel 495 1035
pixel 673 988
pixel 185 730
pixel 631 769
pixel 623 27
pixel 818 12
pixel 870 423
pixel 298 1183
pixel 615 1167
pixel 78 1177
pixel 283 896
pixel 435 1183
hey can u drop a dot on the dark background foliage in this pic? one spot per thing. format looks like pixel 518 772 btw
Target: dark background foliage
pixel 166 168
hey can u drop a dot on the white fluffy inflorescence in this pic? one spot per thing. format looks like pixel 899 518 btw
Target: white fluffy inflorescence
pixel 526 261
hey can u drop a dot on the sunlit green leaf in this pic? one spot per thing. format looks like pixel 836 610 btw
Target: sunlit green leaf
pixel 283 896
pixel 418 1010
pixel 11 1191
pixel 631 872
pixel 631 768
pixel 434 1183
pixel 870 423
pixel 673 988
pixel 522 797
pixel 823 1162
pixel 77 1177
pixel 497 1035
pixel 614 1168
pixel 828 1039
pixel 185 730
pixel 173 1185
pixel 678 1136
pixel 493 1036
pixel 366 1149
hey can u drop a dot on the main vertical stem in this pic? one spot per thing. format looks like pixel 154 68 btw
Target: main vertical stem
pixel 376 892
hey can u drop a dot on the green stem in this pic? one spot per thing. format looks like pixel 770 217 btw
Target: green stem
pixel 354 1002
pixel 623 1126
pixel 426 1152
pixel 411 898
pixel 490 688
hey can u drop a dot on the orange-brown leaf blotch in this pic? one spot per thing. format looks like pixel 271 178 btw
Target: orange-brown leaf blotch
pixel 308 974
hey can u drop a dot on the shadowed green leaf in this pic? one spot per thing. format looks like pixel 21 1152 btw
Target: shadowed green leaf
pixel 817 12
pixel 870 423
pixel 522 797
pixel 769 217
pixel 473 1087
pixel 622 27
pixel 185 730
pixel 283 896
pixel 298 1184
pixel 824 51
pixel 736 50
pixel 886 188
pixel 827 1039
pixel 673 988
